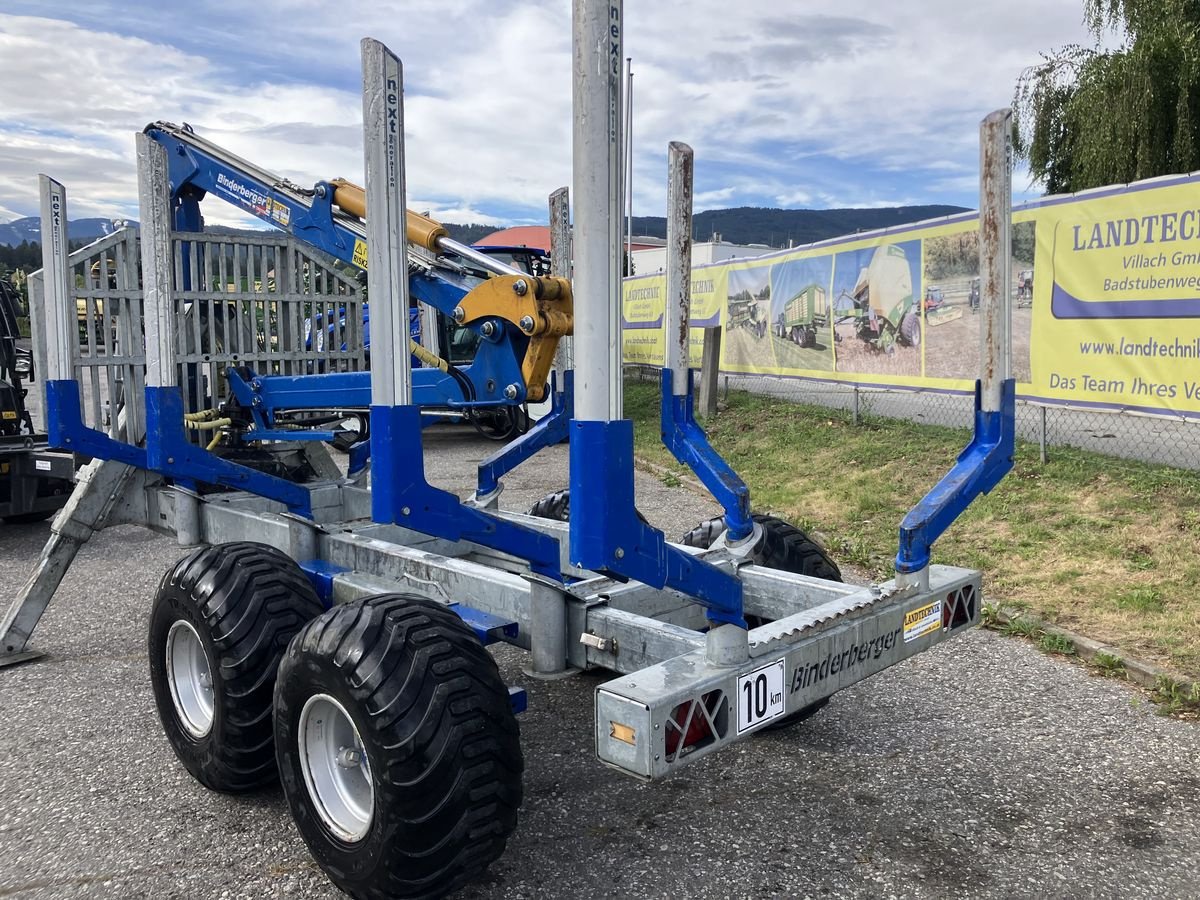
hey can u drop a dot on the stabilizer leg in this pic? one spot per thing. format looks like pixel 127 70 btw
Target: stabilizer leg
pixel 100 484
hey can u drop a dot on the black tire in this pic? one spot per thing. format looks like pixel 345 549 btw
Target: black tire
pixel 788 549
pixel 345 438
pixel 441 743
pixel 245 602
pixel 910 329
pixel 557 506
pixel 784 546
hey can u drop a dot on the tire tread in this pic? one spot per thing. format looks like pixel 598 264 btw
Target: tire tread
pixel 439 713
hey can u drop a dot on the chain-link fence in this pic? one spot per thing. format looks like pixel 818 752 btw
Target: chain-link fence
pixel 1173 441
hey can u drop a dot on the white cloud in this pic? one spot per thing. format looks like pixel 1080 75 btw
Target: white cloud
pixel 766 97
pixel 713 199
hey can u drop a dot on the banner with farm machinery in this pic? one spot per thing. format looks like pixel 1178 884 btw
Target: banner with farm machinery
pixel 1112 318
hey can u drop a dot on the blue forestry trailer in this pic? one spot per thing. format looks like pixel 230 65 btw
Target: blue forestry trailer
pixel 328 631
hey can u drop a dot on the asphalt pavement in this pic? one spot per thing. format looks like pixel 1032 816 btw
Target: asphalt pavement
pixel 980 769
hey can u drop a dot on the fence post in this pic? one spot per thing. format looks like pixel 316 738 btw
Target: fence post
pixel 709 366
pixel 1045 458
pixel 855 411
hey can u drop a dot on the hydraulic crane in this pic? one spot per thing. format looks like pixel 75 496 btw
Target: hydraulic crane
pixel 518 316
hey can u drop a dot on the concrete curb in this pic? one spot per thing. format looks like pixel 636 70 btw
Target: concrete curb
pixel 1140 672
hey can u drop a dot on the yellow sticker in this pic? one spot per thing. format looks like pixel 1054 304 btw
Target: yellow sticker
pixel 922 620
pixel 9 414
pixel 360 253
pixel 280 213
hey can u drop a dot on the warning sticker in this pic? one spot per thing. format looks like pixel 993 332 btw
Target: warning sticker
pixel 360 253
pixel 280 212
pixel 42 465
pixel 922 620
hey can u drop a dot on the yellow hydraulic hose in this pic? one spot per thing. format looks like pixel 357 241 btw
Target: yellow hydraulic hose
pixel 426 357
pixel 208 426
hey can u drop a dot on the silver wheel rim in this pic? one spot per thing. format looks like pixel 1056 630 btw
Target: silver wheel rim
pixel 336 770
pixel 190 679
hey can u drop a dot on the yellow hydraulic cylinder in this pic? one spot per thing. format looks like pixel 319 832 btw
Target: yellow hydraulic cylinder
pixel 422 230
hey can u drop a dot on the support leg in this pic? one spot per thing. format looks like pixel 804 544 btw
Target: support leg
pixel 99 487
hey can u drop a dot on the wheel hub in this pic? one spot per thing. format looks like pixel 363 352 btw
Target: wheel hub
pixel 336 770
pixel 190 679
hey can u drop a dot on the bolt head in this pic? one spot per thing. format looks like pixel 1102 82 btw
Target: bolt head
pixel 526 323
pixel 510 392
pixel 619 553
pixel 405 511
pixel 459 314
pixel 520 287
pixel 488 329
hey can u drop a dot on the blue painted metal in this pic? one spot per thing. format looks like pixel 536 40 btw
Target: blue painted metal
pixel 400 494
pixel 518 699
pixel 686 440
pixel 488 628
pixel 194 174
pixel 359 454
pixel 551 429
pixel 607 536
pixel 169 451
pixel 66 430
pixel 494 368
pixel 312 219
pixel 979 468
pixel 321 574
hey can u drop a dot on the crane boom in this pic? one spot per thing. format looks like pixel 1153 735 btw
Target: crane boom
pixel 329 215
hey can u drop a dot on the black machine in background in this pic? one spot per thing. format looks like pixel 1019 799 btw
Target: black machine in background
pixel 34 481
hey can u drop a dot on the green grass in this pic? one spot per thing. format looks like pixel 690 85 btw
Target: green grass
pixel 1109 665
pixel 1106 547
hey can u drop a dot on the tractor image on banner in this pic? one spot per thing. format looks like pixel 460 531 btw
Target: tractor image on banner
pixel 882 305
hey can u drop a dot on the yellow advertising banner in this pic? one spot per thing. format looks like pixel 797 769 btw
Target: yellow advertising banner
pixel 1118 323
pixel 642 314
pixel 1112 318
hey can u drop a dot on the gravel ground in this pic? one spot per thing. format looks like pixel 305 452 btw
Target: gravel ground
pixel 980 769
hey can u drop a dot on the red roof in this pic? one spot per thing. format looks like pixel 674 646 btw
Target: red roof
pixel 536 236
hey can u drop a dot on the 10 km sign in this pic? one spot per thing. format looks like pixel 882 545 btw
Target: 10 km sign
pixel 760 695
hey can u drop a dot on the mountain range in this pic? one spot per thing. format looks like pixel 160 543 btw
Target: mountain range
pixel 740 225
pixel 788 227
pixel 30 229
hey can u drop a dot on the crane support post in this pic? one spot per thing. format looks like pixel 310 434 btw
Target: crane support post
pixel 989 456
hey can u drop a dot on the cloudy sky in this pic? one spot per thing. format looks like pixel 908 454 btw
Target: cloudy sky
pixel 825 103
